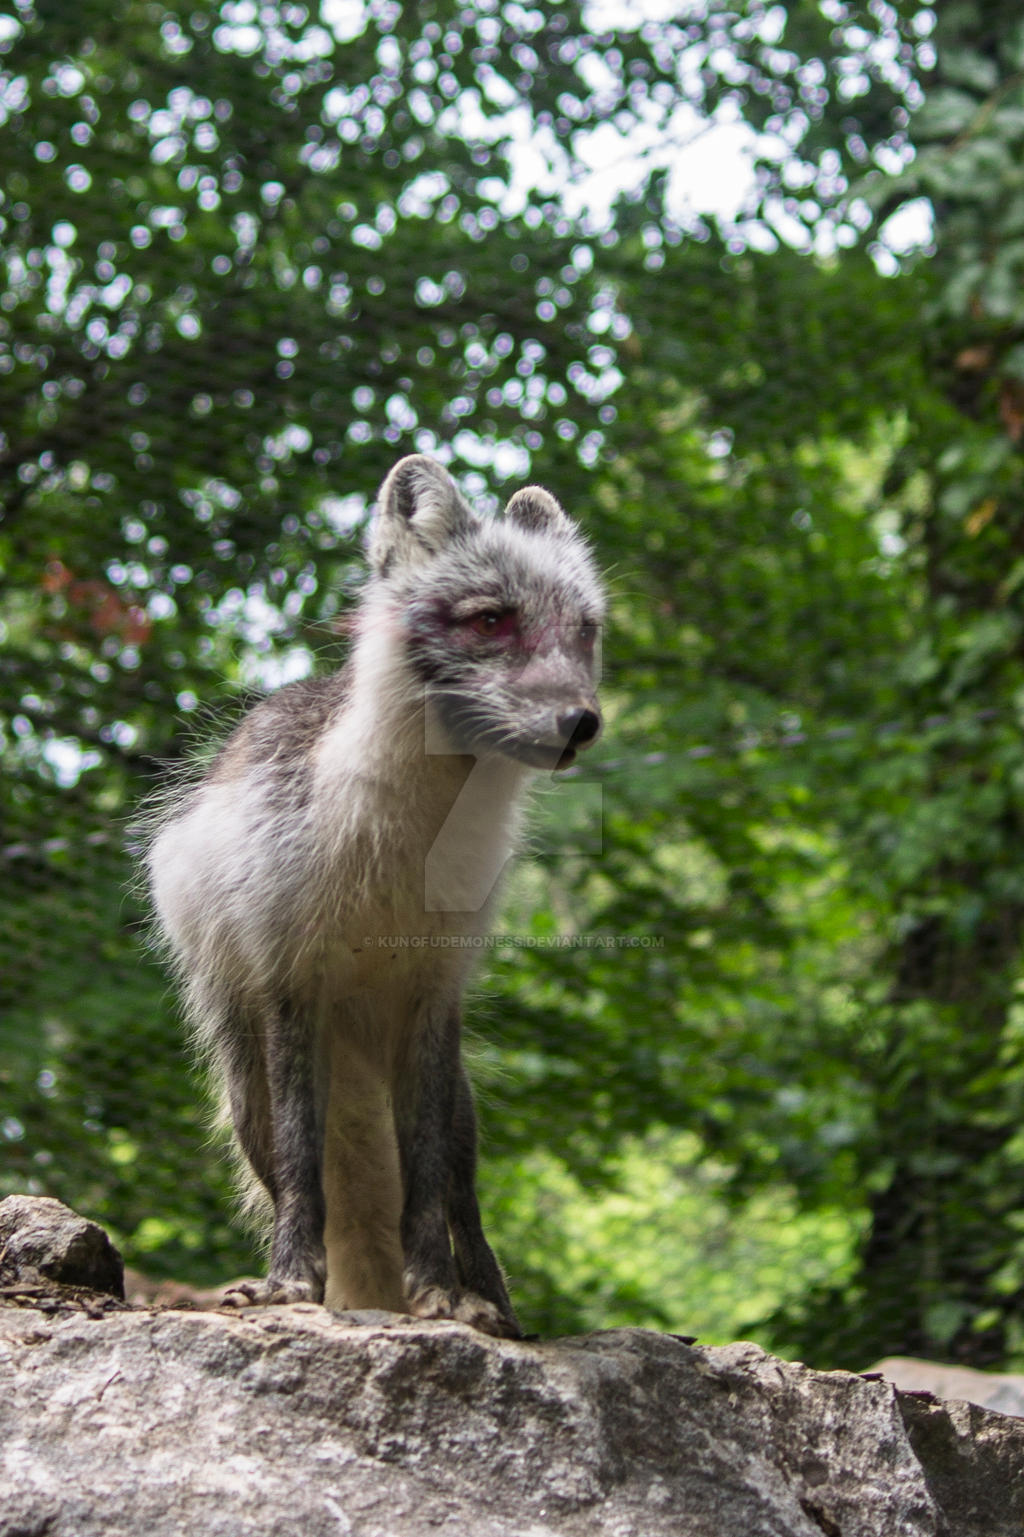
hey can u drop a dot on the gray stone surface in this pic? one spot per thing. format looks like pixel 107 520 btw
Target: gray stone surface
pixel 293 1420
pixel 974 1461
pixel 116 1421
pixel 1003 1391
pixel 40 1237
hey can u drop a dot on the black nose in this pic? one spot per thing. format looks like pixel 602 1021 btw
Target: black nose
pixel 578 728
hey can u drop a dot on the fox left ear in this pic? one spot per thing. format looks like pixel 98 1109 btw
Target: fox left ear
pixel 535 509
pixel 419 510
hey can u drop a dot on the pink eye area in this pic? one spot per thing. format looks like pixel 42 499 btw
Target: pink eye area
pixel 494 626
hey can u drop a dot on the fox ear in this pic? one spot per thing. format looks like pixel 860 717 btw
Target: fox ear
pixel 419 510
pixel 535 509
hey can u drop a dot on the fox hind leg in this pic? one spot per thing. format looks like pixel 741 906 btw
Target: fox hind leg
pixel 277 1083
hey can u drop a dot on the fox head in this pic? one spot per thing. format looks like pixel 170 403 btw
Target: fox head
pixel 501 617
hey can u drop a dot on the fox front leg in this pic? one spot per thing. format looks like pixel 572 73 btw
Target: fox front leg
pixel 485 1300
pixel 438 1164
pixel 424 1103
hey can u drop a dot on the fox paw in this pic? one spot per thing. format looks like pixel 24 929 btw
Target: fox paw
pixel 464 1307
pixel 268 1293
pixel 487 1317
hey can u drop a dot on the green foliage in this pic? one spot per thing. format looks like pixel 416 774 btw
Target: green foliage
pixel 698 1267
pixel 750 1058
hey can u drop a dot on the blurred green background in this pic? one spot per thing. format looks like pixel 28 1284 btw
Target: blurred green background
pixel 252 253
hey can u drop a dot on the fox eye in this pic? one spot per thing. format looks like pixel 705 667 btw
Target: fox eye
pixel 495 624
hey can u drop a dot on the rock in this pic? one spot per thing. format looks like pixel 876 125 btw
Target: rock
pixel 293 1420
pixel 40 1237
pixel 1003 1391
pixel 973 1462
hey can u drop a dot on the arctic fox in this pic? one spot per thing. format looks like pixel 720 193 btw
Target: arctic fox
pixel 320 888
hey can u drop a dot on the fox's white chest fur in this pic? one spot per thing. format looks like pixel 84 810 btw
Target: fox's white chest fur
pixel 409 845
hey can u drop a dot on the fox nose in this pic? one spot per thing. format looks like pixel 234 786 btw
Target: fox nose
pixel 578 728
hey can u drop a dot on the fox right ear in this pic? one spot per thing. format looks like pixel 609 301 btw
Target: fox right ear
pixel 535 509
pixel 419 510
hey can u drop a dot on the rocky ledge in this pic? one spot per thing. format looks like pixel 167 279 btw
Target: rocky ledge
pixel 117 1420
